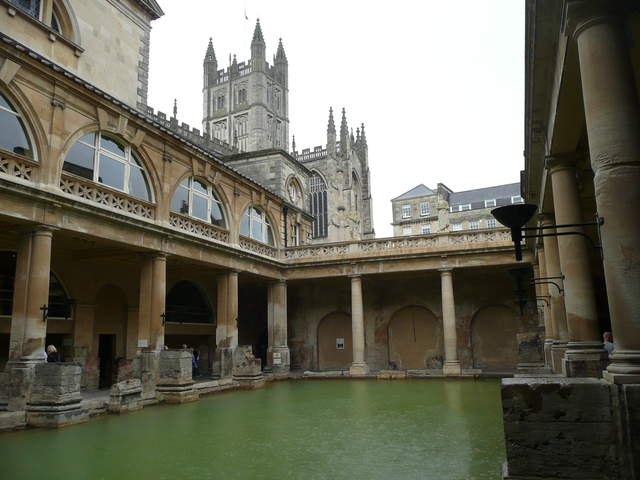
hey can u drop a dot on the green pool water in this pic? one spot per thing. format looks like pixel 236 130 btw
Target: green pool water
pixel 343 429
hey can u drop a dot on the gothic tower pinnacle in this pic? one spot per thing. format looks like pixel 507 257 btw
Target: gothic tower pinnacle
pixel 258 49
pixel 331 134
pixel 344 134
pixel 210 65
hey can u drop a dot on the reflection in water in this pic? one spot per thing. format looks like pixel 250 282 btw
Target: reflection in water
pixel 311 429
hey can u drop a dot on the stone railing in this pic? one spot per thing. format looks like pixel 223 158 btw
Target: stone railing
pixel 258 247
pixel 198 227
pixel 16 166
pixel 382 246
pixel 106 196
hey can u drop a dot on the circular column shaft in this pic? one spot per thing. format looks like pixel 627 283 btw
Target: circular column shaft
pixel 556 300
pixel 451 362
pixel 585 355
pixel 158 296
pixel 549 333
pixel 612 113
pixel 278 355
pixel 359 366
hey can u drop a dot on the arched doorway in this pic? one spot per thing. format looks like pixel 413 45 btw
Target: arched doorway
pixel 110 333
pixel 415 339
pixel 493 338
pixel 335 350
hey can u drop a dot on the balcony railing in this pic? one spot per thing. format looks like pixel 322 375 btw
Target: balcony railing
pixel 198 227
pixel 17 166
pixel 258 247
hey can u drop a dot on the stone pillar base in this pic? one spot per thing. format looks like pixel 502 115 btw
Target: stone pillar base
pixel 584 360
pixel 451 369
pixel 620 378
pixel 359 369
pixel 19 383
pixel 126 396
pixel 224 361
pixel 548 358
pixel 532 369
pixel 55 399
pixel 557 355
pixel 175 384
pixel 279 360
pixel 247 370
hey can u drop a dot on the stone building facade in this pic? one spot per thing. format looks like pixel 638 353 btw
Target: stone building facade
pixel 422 211
pixel 246 106
pixel 124 233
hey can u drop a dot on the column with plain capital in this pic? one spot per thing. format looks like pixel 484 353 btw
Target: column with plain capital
pixel 359 366
pixel 278 350
pixel 556 300
pixel 451 363
pixel 612 113
pixel 585 355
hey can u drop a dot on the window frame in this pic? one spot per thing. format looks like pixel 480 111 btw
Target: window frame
pixel 24 124
pixel 406 210
pixel 487 203
pixel 404 231
pixel 517 199
pixel 492 223
pixel 263 218
pixel 424 211
pixel 130 160
pixel 474 225
pixel 211 198
pixel 456 227
pixel 425 229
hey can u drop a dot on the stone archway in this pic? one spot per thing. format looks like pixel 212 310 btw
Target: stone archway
pixel 335 349
pixel 493 338
pixel 415 339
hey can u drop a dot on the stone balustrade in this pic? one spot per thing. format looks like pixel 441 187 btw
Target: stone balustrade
pixel 106 196
pixel 198 227
pixel 383 246
pixel 258 247
pixel 17 166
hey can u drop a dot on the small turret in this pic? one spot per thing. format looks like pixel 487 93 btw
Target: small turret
pixel 210 66
pixel 258 49
pixel 281 65
pixel 331 134
pixel 344 135
pixel 363 137
pixel 293 145
pixel 175 108
pixel 234 71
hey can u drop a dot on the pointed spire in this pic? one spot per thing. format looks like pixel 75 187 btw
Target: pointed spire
pixel 331 127
pixel 210 56
pixel 257 35
pixel 344 130
pixel 363 136
pixel 280 54
pixel 357 134
pixel 175 108
pixel 293 144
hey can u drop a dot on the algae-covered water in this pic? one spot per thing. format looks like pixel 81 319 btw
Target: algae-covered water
pixel 342 429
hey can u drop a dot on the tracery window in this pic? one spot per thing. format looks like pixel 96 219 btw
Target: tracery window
pixel 13 133
pixel 318 201
pixel 198 199
pixel 256 225
pixel 294 191
pixel 104 159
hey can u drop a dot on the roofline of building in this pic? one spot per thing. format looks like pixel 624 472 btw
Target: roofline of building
pixel 152 7
pixel 484 188
pixel 234 157
pixel 413 188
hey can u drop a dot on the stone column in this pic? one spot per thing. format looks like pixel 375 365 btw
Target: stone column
pixel 158 298
pixel 556 300
pixel 451 362
pixel 612 113
pixel 585 355
pixel 227 322
pixel 83 353
pixel 549 333
pixel 359 366
pixel 31 296
pixel 278 351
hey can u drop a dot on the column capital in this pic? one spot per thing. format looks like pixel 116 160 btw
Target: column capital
pixel 568 161
pixel 355 275
pixel 582 14
pixel 278 281
pixel 446 270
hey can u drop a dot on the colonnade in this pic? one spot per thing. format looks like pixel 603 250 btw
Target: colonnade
pixel 612 113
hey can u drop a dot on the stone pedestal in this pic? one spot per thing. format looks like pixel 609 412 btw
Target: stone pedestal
pixel 150 365
pixel 175 382
pixel 585 361
pixel 247 370
pixel 19 384
pixel 280 360
pixel 557 355
pixel 55 399
pixel 126 396
pixel 570 428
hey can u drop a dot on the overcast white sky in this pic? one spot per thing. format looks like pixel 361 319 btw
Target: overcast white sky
pixel 438 84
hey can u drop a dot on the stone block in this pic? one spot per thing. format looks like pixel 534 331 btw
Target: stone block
pixel 559 428
pixel 12 421
pixel 150 362
pixel 175 382
pixel 224 359
pixel 530 348
pixel 4 390
pixel 247 370
pixel 19 383
pixel 279 360
pixel 126 396
pixel 55 399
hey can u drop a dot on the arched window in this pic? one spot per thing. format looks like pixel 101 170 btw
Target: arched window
pixel 186 304
pixel 196 198
pixel 13 133
pixel 318 200
pixel 59 303
pixel 104 159
pixel 255 224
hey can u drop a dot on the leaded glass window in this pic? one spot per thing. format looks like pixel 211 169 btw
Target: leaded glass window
pixel 256 225
pixel 198 199
pixel 318 201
